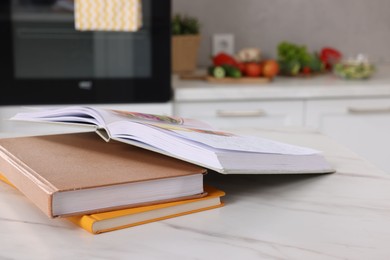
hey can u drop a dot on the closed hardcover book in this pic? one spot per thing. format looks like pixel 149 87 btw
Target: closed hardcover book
pixel 118 219
pixel 73 174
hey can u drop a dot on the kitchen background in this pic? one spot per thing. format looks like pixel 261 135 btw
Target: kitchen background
pixel 356 113
pixel 352 26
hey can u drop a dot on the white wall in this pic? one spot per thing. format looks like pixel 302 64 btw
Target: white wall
pixel 353 26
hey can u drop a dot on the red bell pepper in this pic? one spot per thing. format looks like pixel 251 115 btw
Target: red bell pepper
pixel 330 56
pixel 225 59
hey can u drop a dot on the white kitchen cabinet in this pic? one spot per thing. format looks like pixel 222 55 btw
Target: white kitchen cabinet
pixel 363 125
pixel 239 114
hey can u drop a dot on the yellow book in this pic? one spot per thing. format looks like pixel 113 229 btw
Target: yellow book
pixel 119 219
pixel 4 179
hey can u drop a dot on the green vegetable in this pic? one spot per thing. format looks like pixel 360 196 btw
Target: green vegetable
pixel 184 25
pixel 232 71
pixel 316 64
pixel 224 71
pixel 291 67
pixel 290 51
pixel 289 54
pixel 217 72
pixel 354 70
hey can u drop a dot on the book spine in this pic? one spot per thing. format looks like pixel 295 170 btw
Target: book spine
pixel 27 182
pixel 103 133
pixel 85 222
pixel 3 179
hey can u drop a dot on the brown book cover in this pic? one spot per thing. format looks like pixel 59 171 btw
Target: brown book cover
pixel 52 170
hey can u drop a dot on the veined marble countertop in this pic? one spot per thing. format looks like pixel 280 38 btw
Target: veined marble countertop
pixel 344 215
pixel 316 87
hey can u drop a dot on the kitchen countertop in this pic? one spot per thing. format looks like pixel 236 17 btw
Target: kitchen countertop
pixel 344 215
pixel 315 87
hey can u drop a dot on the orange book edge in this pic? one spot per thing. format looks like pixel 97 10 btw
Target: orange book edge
pixel 89 221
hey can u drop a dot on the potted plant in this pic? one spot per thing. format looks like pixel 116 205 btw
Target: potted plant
pixel 185 43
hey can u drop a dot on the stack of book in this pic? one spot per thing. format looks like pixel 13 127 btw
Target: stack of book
pixel 102 186
pixel 147 168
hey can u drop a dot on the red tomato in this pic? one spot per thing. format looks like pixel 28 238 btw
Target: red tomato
pixel 306 70
pixel 253 69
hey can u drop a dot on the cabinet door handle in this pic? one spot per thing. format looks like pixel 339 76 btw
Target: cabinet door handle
pixel 361 110
pixel 241 113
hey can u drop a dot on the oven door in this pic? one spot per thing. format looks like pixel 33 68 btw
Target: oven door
pixel 46 61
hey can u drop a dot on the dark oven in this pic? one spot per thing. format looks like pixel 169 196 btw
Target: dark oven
pixel 44 60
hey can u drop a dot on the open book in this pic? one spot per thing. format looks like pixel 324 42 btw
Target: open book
pixel 189 140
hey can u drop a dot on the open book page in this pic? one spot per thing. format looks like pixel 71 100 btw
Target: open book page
pixel 102 117
pixel 201 133
pixel 220 140
pixel 244 143
pixel 71 114
pixel 111 116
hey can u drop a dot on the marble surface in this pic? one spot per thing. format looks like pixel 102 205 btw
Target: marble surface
pixel 345 215
pixel 316 87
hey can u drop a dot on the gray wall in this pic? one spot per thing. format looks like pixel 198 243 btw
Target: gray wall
pixel 352 26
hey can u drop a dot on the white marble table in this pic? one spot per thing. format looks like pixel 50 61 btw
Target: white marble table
pixel 345 215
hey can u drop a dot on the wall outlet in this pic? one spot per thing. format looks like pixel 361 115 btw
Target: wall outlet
pixel 223 43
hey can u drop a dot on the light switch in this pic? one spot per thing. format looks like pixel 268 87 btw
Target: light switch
pixel 223 43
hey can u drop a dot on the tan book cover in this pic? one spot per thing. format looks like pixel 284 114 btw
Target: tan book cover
pixel 61 170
